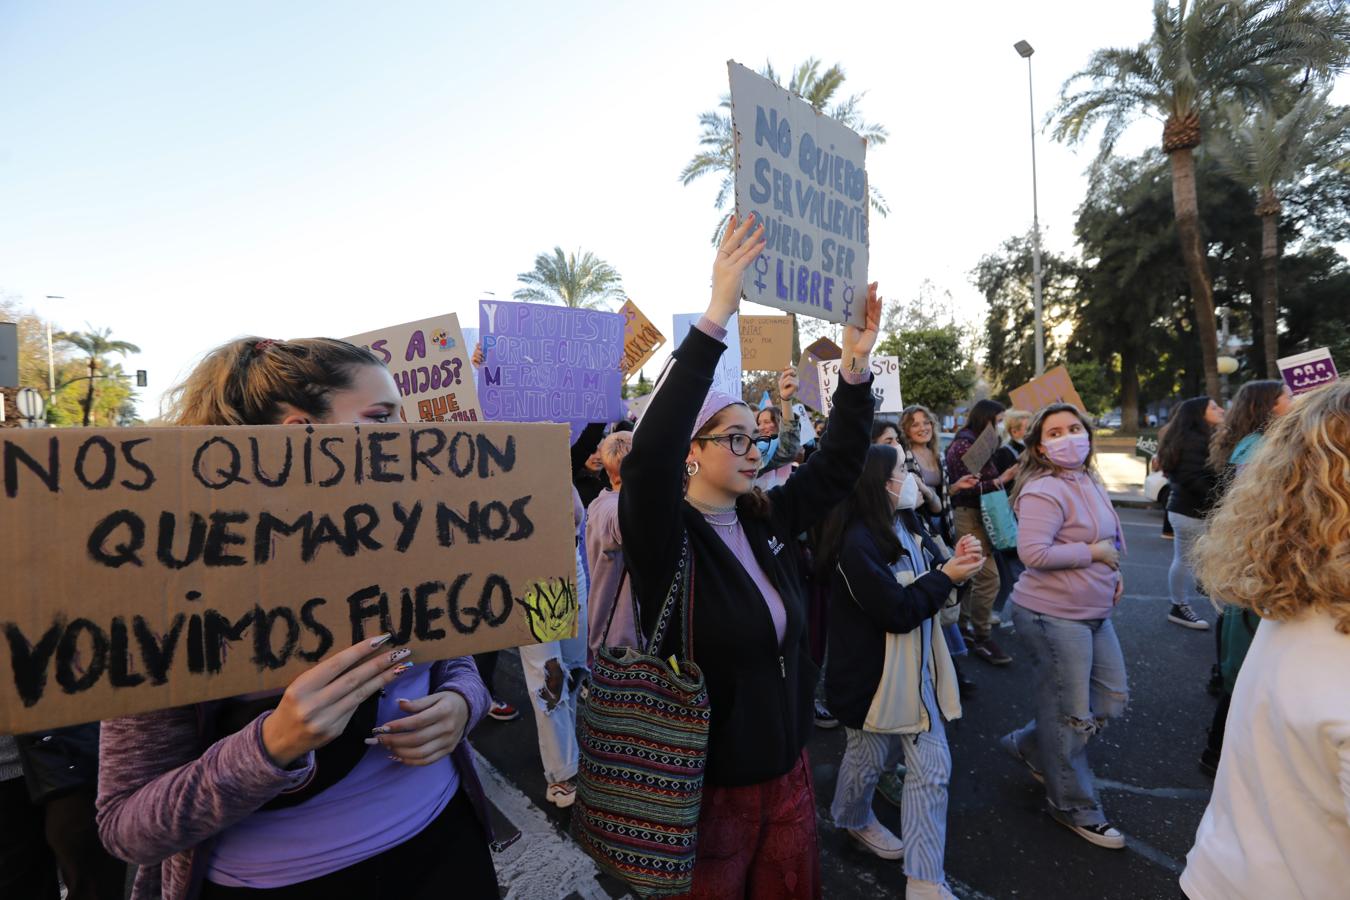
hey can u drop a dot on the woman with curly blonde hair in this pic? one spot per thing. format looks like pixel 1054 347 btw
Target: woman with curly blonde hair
pixel 1278 823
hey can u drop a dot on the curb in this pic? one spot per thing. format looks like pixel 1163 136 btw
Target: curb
pixel 1130 501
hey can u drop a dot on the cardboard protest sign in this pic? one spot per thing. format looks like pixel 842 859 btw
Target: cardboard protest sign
pixel 546 363
pixel 808 376
pixel 803 176
pixel 430 364
pixel 1308 371
pixel 640 339
pixel 766 342
pixel 154 567
pixel 1055 386
pixel 885 383
pixel 981 450
pixel 727 377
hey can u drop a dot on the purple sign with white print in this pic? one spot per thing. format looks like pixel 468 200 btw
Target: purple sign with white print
pixel 546 363
pixel 1308 371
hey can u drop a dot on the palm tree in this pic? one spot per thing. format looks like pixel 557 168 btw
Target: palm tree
pixel 812 85
pixel 1268 151
pixel 96 344
pixel 1201 53
pixel 578 280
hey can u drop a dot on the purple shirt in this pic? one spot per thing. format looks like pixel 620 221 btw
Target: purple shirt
pixel 1058 517
pixel 378 805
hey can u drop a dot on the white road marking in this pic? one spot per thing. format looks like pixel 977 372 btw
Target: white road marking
pixel 544 863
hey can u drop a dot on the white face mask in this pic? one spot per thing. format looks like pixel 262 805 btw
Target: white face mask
pixel 908 498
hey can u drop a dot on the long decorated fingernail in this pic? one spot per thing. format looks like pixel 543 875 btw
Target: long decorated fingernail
pixel 400 653
pixel 372 741
pixel 402 667
pixel 381 729
pixel 381 640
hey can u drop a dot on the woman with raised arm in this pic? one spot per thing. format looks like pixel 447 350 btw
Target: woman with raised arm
pixel 691 473
pixel 355 780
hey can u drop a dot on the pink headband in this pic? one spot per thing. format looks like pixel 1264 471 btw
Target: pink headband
pixel 715 402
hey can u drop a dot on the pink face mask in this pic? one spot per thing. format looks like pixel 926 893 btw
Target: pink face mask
pixel 1069 451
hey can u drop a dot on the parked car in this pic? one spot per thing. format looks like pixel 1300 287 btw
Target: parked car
pixel 1156 488
pixel 1110 420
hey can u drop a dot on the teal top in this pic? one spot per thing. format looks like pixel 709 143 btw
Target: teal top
pixel 1242 453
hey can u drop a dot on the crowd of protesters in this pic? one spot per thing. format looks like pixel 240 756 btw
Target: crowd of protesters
pixel 870 549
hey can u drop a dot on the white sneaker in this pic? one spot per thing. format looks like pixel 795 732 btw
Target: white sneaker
pixel 926 890
pixel 878 840
pixel 562 794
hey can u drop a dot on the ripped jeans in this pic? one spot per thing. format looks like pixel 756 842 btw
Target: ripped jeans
pixel 1080 683
pixel 553 674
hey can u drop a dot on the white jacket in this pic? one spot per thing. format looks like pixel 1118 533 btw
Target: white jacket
pixel 1278 823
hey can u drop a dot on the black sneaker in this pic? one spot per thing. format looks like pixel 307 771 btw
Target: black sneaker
pixel 823 717
pixel 988 650
pixel 1209 762
pixel 1103 835
pixel 1184 616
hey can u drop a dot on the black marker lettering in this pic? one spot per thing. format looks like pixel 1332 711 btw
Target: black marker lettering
pixel 123 553
pixel 137 465
pixel 109 463
pixel 168 524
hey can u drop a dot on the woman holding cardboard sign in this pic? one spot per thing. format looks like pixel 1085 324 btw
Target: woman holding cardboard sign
pixel 690 476
pixel 348 783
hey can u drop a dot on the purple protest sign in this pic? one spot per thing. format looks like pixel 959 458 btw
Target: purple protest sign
pixel 1308 371
pixel 549 363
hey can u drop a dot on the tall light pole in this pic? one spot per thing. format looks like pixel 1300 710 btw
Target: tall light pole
pixel 51 357
pixel 1025 50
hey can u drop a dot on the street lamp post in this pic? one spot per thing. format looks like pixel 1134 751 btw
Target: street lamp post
pixel 51 357
pixel 1025 50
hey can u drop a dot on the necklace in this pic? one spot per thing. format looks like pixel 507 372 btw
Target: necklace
pixel 715 515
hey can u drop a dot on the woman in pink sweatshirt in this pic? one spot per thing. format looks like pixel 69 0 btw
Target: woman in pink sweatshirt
pixel 1070 539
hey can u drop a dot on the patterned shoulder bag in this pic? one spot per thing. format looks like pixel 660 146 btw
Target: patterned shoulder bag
pixel 643 736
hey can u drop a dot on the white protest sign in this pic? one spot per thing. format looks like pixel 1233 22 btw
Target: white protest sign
pixel 727 376
pixel 807 428
pixel 803 176
pixel 885 383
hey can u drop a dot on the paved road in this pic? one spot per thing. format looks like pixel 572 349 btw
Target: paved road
pixel 999 843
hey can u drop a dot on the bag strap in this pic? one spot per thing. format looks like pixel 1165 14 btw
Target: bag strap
pixel 618 592
pixel 672 597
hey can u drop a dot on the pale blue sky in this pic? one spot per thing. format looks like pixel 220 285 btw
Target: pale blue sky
pixel 184 173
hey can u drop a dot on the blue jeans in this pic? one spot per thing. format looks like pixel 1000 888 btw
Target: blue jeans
pixel 1080 683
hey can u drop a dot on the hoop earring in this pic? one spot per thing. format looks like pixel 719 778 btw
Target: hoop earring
pixel 691 468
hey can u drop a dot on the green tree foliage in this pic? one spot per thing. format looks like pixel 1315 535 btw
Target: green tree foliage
pixel 578 280
pixel 97 345
pixel 1201 54
pixel 935 365
pixel 813 85
pixel 1004 278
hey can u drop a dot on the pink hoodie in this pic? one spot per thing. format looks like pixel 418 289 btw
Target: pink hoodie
pixel 1058 517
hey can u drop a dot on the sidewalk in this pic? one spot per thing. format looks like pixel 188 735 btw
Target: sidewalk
pixel 1124 473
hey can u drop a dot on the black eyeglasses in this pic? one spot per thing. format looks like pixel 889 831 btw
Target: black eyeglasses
pixel 738 444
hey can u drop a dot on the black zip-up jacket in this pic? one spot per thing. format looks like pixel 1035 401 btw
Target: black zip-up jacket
pixel 761 696
pixel 1193 483
pixel 858 627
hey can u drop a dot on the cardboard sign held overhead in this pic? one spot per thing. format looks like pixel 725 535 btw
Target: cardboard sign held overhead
pixel 1308 371
pixel 981 450
pixel 1055 386
pixel 766 342
pixel 808 374
pixel 727 377
pixel 546 363
pixel 885 384
pixel 154 567
pixel 803 175
pixel 640 339
pixel 430 364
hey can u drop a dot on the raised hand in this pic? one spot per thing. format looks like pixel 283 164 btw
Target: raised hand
pixel 321 700
pixel 787 383
pixel 738 249
pixel 858 342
